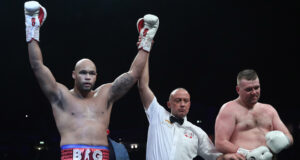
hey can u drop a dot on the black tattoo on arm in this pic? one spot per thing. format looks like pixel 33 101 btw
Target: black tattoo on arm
pixel 121 86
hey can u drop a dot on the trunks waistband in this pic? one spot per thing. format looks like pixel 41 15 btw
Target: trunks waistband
pixel 69 146
pixel 83 152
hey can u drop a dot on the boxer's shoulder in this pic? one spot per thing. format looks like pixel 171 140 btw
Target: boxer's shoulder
pixel 265 107
pixel 229 106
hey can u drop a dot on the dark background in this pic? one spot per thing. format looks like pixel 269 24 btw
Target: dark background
pixel 200 45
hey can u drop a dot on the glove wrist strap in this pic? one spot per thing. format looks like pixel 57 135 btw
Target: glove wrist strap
pixel 145 44
pixel 243 151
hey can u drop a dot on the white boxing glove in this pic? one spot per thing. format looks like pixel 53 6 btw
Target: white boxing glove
pixel 147 28
pixel 260 153
pixel 277 141
pixel 35 15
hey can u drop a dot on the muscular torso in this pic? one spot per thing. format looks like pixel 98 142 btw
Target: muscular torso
pixel 251 124
pixel 82 120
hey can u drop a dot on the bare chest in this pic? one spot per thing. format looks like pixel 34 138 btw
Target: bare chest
pixel 87 108
pixel 254 119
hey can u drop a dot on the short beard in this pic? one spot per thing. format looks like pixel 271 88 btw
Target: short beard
pixel 86 90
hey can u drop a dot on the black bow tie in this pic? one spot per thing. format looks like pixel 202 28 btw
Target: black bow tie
pixel 178 120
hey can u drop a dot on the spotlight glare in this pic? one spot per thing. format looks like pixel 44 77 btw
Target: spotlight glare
pixel 134 146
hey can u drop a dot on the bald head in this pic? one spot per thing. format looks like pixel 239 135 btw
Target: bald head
pixel 83 63
pixel 178 90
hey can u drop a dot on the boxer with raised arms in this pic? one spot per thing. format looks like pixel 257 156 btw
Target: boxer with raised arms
pixel 82 114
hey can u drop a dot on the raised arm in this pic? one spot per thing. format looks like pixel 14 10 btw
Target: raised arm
pixel 143 84
pixel 147 28
pixel 35 15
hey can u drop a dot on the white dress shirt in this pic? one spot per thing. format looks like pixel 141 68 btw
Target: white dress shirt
pixel 168 141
